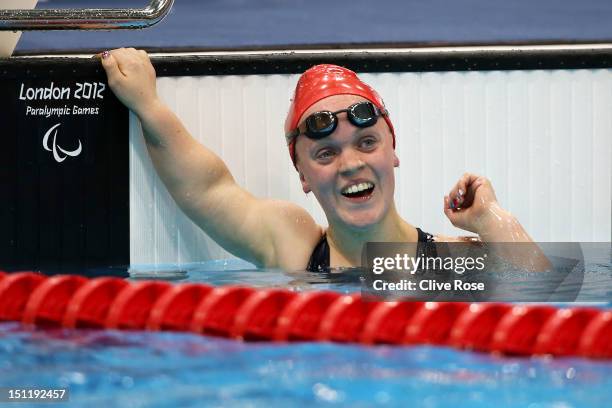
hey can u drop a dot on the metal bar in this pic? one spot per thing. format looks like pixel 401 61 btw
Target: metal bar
pixel 84 19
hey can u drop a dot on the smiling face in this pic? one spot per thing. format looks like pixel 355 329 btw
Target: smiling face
pixel 350 171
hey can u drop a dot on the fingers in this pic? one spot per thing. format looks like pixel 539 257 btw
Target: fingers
pixel 458 192
pixel 111 66
pixel 129 71
pixel 131 77
pixel 455 216
pixel 448 210
pixel 471 197
pixel 462 194
pixel 124 58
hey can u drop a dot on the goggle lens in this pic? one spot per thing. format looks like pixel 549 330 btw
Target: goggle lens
pixel 362 114
pixel 320 124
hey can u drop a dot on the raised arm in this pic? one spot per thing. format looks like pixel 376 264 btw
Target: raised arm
pixel 473 206
pixel 198 180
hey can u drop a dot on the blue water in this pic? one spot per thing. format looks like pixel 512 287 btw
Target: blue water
pixel 146 369
pixel 123 369
pixel 595 284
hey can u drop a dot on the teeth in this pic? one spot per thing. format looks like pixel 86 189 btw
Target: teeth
pixel 355 188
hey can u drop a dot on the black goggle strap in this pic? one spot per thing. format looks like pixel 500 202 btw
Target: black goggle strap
pixel 380 111
pixel 290 136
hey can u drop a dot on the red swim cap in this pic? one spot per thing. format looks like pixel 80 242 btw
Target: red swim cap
pixel 320 82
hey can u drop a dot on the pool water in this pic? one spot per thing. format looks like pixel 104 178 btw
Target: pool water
pixel 104 368
pixel 138 369
pixel 595 269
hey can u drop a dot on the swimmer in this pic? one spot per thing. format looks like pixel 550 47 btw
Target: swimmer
pixel 342 144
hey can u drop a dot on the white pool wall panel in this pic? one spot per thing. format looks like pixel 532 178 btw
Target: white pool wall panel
pixel 542 137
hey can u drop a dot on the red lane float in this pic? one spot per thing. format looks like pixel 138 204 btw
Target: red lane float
pixel 283 315
pixel 257 317
pixel 175 308
pixel 560 334
pixel 90 304
pixel 433 322
pixel 388 321
pixel 344 319
pixel 15 290
pixel 301 318
pixel 518 329
pixel 133 304
pixel 474 328
pixel 596 340
pixel 47 304
pixel 215 315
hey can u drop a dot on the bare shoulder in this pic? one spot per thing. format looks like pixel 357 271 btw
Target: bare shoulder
pixel 294 234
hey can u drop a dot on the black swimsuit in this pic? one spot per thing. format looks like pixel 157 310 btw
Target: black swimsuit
pixel 319 260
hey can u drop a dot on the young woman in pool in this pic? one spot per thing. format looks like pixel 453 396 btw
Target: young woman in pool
pixel 342 143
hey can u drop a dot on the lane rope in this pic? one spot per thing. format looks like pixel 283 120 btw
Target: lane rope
pixel 254 314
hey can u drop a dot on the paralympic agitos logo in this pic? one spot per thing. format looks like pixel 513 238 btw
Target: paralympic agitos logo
pixel 59 154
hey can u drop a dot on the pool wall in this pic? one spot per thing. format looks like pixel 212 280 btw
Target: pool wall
pixel 64 175
pixel 542 137
pixel 535 120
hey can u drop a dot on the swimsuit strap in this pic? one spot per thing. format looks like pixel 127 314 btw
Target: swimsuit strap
pixel 319 260
pixel 424 236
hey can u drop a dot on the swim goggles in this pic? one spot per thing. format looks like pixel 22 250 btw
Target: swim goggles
pixel 323 123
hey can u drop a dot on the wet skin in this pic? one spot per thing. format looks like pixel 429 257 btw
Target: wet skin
pixel 278 233
pixel 347 157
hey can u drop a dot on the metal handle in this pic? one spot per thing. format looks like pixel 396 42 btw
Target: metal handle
pixel 84 19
